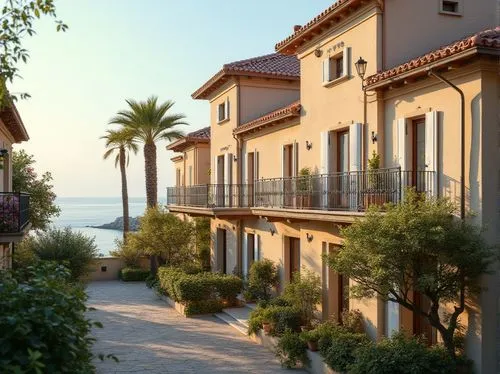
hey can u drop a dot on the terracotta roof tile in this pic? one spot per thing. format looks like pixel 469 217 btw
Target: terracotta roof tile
pixel 272 118
pixel 275 65
pixel 203 133
pixel 486 39
pixel 198 136
pixel 290 44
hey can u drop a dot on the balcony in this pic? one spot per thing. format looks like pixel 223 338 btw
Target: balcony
pixel 337 197
pixel 345 194
pixel 229 200
pixel 14 216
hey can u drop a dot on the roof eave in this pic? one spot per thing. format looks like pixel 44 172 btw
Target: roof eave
pixel 381 84
pixel 290 46
pixel 215 82
pixel 186 142
pixel 267 123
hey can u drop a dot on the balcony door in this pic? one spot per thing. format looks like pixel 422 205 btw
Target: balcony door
pixel 292 257
pixel 342 167
pixel 417 152
pixel 335 288
pixel 418 162
pixel 221 245
pixel 289 164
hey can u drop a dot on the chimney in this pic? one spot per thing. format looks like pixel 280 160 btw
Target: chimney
pixel 296 28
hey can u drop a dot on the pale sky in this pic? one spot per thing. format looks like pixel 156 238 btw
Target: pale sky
pixel 118 49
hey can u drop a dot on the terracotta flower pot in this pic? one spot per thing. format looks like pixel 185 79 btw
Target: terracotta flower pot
pixel 266 327
pixel 312 345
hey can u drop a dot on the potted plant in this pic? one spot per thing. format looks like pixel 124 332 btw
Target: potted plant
pixel 304 188
pixel 374 194
pixel 311 338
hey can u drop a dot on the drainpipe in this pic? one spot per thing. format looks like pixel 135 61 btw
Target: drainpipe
pixel 462 138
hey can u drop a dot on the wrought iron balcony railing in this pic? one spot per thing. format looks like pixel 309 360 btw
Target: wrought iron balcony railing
pixel 14 212
pixel 350 191
pixel 212 196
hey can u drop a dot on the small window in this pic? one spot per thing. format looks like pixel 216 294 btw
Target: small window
pixel 337 66
pixel 223 111
pixel 453 7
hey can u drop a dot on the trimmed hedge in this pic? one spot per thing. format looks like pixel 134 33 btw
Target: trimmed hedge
pixel 133 274
pixel 281 318
pixel 200 292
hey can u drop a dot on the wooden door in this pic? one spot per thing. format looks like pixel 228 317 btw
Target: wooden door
pixel 294 256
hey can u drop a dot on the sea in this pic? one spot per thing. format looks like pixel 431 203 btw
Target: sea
pixel 81 212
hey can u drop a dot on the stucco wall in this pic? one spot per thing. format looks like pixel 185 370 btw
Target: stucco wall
pixel 113 266
pixel 259 97
pixel 337 106
pixel 413 28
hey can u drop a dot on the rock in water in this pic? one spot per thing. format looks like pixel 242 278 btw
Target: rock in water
pixel 117 224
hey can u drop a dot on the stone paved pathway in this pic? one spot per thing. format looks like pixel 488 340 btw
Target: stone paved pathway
pixel 147 336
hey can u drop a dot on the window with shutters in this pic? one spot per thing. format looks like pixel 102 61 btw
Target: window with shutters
pixel 336 68
pixel 450 7
pixel 223 111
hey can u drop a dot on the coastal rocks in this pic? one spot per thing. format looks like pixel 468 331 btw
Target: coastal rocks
pixel 117 224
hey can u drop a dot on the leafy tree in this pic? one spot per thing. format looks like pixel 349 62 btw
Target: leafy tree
pixel 164 235
pixel 25 179
pixel 17 21
pixel 150 122
pixel 417 245
pixel 122 143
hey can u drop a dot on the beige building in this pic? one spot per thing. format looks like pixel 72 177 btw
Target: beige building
pixel 14 207
pixel 289 153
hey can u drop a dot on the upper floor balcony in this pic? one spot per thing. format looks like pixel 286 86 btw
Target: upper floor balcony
pixel 14 216
pixel 335 197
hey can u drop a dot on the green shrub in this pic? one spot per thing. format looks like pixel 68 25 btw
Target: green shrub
pixel 133 274
pixel 70 248
pixel 304 292
pixel 255 321
pixel 341 353
pixel 188 288
pixel 43 323
pixel 191 268
pixel 263 276
pixel 202 307
pixel 282 318
pixel 352 321
pixel 291 350
pixel 402 355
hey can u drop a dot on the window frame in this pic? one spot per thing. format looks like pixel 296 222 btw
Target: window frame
pixel 459 4
pixel 333 66
pixel 223 111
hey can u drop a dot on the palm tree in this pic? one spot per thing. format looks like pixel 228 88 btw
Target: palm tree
pixel 122 143
pixel 149 122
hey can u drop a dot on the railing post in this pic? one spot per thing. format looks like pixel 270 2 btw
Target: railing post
pixel 400 183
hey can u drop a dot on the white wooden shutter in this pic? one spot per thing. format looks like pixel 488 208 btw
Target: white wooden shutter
pixel 431 151
pixel 226 109
pixel 245 169
pixel 295 161
pixel 402 156
pixel 214 171
pixel 354 184
pixel 326 70
pixel 245 254
pixel 256 248
pixel 355 146
pixel 325 167
pixel 402 144
pixel 228 178
pixel 281 197
pixel 256 186
pixel 346 62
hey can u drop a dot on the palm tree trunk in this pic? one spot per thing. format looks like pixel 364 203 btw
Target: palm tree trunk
pixel 126 224
pixel 151 174
pixel 151 189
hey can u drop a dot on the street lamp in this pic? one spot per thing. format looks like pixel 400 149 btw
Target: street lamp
pixel 361 68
